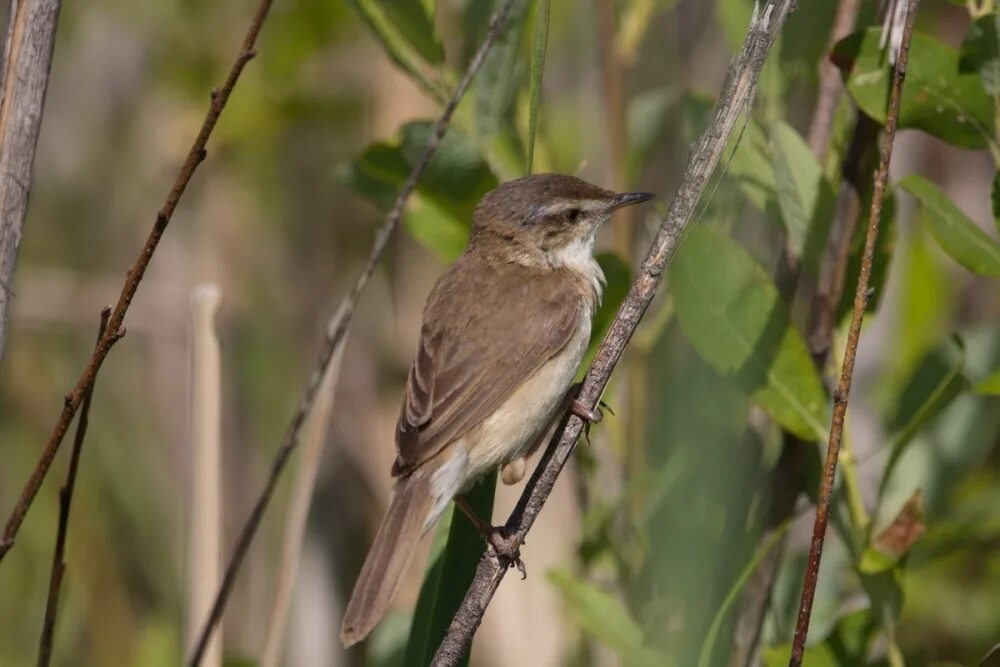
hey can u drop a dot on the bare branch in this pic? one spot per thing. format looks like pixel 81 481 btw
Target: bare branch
pixel 134 276
pixel 336 329
pixel 736 98
pixel 31 36
pixel 842 393
pixel 65 499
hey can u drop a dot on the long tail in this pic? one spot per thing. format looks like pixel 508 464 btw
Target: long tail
pixel 389 557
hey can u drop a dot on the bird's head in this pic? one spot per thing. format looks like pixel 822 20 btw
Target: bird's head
pixel 546 218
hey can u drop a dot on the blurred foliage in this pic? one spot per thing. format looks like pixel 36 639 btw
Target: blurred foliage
pixel 322 128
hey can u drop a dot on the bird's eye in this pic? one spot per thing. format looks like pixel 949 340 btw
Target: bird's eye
pixel 572 215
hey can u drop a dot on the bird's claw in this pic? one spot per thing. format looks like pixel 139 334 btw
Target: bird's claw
pixel 506 550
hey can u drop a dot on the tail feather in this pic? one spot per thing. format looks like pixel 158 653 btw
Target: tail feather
pixel 389 557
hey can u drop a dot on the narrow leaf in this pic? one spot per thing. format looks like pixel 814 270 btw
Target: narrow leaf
pixel 445 588
pixel 995 200
pixel 935 383
pixel 397 46
pixel 958 236
pixel 708 645
pixel 731 312
pixel 538 49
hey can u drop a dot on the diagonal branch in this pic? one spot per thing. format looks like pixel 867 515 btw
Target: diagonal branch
pixel 736 98
pixel 65 499
pixel 134 276
pixel 842 393
pixel 337 328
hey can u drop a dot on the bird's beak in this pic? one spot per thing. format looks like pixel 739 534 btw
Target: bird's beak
pixel 623 199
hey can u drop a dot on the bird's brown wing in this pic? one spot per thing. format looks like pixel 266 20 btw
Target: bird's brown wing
pixel 485 331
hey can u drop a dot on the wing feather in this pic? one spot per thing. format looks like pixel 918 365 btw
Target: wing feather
pixel 473 353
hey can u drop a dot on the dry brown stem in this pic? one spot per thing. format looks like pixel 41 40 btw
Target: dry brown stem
pixel 65 499
pixel 842 392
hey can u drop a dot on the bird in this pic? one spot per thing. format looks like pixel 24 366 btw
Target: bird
pixel 504 331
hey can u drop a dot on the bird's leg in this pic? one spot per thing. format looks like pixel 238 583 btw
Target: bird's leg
pixel 503 547
pixel 582 411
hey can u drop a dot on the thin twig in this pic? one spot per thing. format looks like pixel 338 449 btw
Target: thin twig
pixel 297 514
pixel 786 482
pixel 337 327
pixel 736 98
pixel 65 499
pixel 830 86
pixel 842 393
pixel 134 276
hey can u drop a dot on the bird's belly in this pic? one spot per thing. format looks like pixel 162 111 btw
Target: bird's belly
pixel 518 423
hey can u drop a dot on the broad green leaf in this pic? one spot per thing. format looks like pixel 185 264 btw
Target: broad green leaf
pixel 938 97
pixel 440 214
pixel 443 234
pixel 995 200
pixel 805 197
pixel 538 48
pixel 752 166
pixel 406 32
pixel 603 616
pixel 445 587
pixel 958 236
pixel 733 595
pixel 731 312
pixel 981 51
pixel 989 385
pixel 850 638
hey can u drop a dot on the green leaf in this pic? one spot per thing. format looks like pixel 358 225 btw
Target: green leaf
pixel 938 97
pixel 989 385
pixel 501 76
pixel 603 616
pixel 958 236
pixel 538 48
pixel 440 214
pixel 935 383
pixel 406 32
pixel 647 123
pixel 805 197
pixel 731 312
pixel 980 52
pixel 814 656
pixel 752 167
pixel 445 585
pixel 705 656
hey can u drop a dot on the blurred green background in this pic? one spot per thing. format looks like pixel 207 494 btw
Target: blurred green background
pixel 641 554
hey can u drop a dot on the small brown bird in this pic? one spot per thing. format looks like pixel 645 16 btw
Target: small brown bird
pixel 504 331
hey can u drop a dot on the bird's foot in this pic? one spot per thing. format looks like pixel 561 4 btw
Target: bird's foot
pixel 505 549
